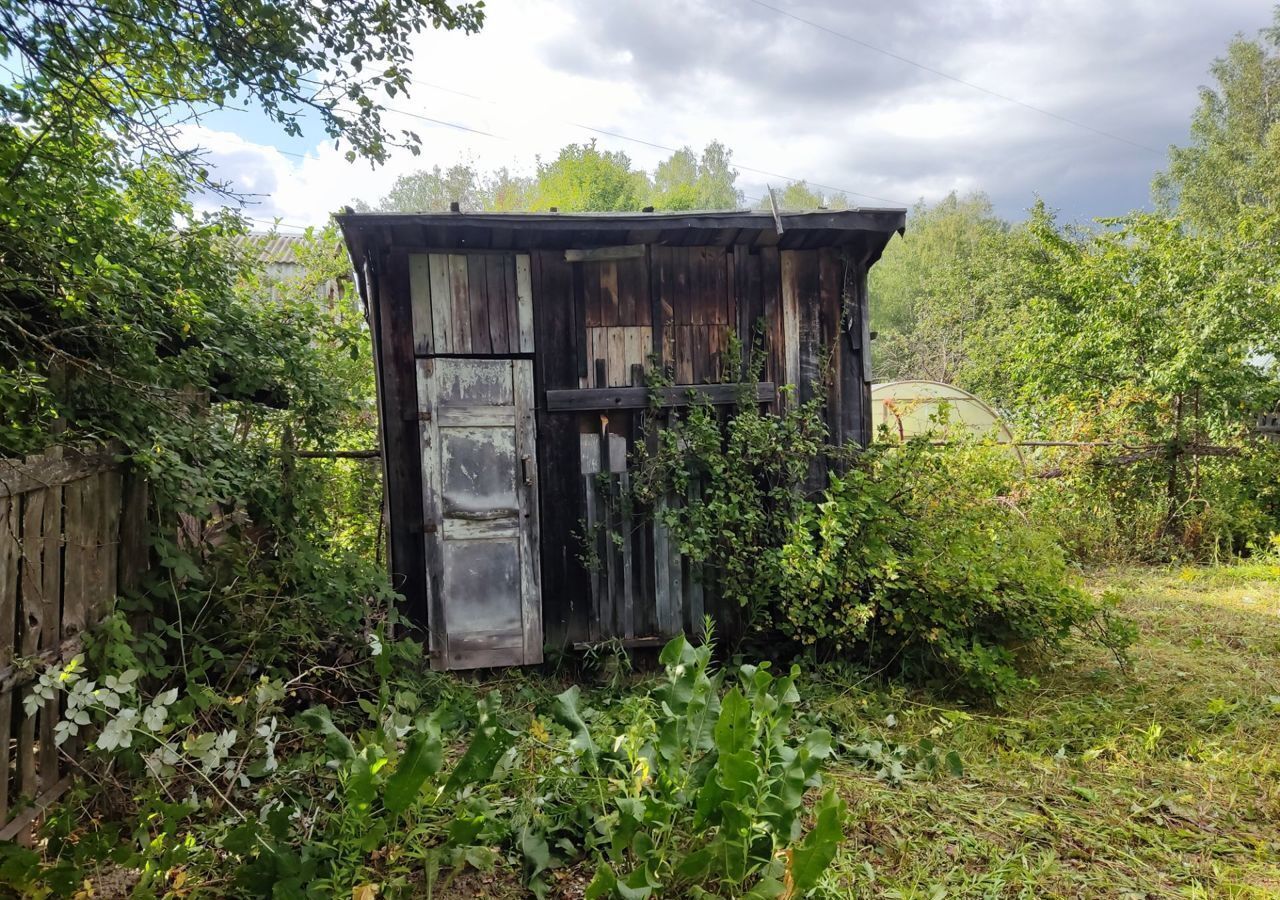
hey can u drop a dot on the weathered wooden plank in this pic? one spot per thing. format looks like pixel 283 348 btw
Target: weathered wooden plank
pixel 496 295
pixel 685 354
pixel 809 330
pixel 732 320
pixel 524 302
pixel 637 282
pixel 693 582
pixel 75 607
pixel 401 440
pixel 751 307
pixel 601 254
pixel 589 466
pixel 459 293
pixel 790 320
pixel 478 303
pixel 591 309
pixel 566 587
pixel 597 227
pixel 475 416
pixel 717 339
pixel 591 399
pixel 718 311
pixel 682 268
pixel 429 440
pixel 626 612
pixel 636 342
pixel 699 286
pixel 700 347
pixel 860 395
pixel 420 301
pixel 624 274
pixel 618 369
pixel 771 306
pixel 51 616
pixel 527 492
pixel 512 302
pixel 54 466
pixel 31 609
pixel 440 287
pixel 10 561
pixel 582 273
pixel 134 557
pixel 661 287
pixel 830 279
pixel 632 353
pixel 610 310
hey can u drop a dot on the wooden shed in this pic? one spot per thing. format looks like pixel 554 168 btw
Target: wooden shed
pixel 512 353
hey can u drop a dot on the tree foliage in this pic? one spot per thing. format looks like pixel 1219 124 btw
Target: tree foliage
pixel 687 181
pixel 1233 159
pixel 139 68
pixel 582 178
pixel 922 297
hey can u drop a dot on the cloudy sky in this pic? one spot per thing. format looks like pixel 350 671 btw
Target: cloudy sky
pixel 1076 102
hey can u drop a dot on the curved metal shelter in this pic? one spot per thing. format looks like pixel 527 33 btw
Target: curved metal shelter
pixel 915 407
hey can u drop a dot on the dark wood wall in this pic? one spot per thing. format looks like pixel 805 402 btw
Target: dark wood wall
pixel 603 323
pixel 803 311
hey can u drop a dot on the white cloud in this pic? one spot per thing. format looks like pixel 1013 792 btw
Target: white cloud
pixel 792 100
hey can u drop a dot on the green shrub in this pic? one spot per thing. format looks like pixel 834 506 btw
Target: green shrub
pixel 919 561
pixel 916 560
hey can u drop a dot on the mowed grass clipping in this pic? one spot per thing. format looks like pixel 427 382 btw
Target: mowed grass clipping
pixel 1163 781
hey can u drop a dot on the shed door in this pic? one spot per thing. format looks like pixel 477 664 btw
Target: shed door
pixel 481 511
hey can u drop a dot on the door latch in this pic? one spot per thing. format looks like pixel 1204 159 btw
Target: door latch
pixel 527 462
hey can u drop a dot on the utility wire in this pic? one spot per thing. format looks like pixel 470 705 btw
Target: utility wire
pixel 635 140
pixel 969 84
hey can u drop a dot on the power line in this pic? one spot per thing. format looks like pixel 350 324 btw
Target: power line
pixel 977 87
pixel 635 140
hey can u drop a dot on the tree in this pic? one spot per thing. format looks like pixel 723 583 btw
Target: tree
pixel 505 192
pixel 684 181
pixel 143 67
pixel 584 179
pixel 797 196
pixel 1233 159
pixel 920 288
pixel 428 190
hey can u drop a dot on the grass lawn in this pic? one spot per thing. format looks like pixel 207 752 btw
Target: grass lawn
pixel 1160 782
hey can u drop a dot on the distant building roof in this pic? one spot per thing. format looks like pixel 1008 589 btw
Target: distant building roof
pixel 270 247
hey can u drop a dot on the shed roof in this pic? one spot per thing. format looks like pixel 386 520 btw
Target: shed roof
pixel 867 228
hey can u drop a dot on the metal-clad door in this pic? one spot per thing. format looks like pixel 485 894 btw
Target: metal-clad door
pixel 480 511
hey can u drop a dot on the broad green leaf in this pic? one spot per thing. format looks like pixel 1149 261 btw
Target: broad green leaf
pixel 565 711
pixel 604 884
pixel 318 719
pixel 488 743
pixel 811 858
pixel 733 730
pixel 421 759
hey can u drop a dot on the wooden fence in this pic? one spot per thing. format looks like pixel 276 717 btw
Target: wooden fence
pixel 72 536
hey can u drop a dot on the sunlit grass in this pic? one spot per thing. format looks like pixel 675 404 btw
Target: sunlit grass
pixel 1160 782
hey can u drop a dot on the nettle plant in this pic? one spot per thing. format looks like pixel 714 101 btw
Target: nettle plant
pixel 709 789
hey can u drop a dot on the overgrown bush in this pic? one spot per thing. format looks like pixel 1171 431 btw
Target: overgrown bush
pixel 916 560
pixel 919 561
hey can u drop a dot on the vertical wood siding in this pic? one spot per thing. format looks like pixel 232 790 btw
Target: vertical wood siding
pixel 72 536
pixel 601 322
